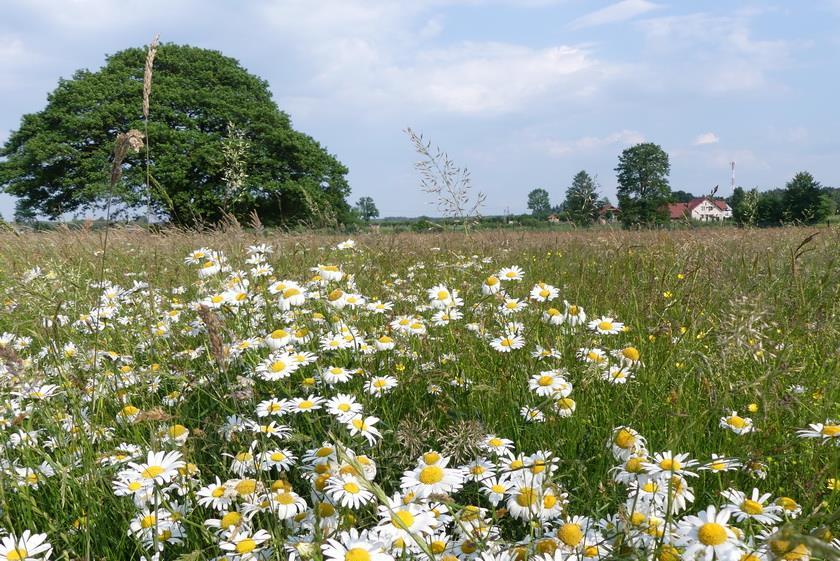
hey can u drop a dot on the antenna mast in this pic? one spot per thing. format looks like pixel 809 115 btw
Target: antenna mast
pixel 732 178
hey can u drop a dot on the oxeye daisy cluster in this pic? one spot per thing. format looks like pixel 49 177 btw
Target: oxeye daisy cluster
pixel 259 412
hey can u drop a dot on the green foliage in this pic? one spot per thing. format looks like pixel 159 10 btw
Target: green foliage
pixel 581 204
pixel 804 200
pixel 681 197
pixel 366 209
pixel 539 203
pixel 643 189
pixel 57 161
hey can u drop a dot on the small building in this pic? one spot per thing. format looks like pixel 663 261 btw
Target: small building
pixel 553 218
pixel 608 214
pixel 703 209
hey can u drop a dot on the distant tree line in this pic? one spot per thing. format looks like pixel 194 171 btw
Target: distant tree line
pixel 644 194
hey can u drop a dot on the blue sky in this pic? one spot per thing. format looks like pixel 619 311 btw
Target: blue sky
pixel 524 93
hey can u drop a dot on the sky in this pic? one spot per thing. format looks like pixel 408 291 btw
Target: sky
pixel 524 93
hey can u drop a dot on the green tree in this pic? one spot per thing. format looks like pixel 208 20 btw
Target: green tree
pixel 681 197
pixel 581 203
pixel 366 209
pixel 643 189
pixel 738 203
pixel 539 203
pixel 804 200
pixel 204 108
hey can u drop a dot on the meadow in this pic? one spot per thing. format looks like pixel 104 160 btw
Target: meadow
pixel 501 396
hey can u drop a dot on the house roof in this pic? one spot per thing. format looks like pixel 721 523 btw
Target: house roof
pixel 679 210
pixel 608 208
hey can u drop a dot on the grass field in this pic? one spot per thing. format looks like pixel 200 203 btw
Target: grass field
pixel 420 395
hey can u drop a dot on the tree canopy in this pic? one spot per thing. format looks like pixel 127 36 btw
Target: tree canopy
pixel 581 204
pixel 366 209
pixel 643 190
pixel 539 203
pixel 217 142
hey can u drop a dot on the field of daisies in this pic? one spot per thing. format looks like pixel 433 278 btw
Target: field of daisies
pixel 244 396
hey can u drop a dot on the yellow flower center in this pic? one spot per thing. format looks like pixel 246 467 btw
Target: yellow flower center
pixel 570 534
pixel 736 421
pixel 305 404
pixel 634 465
pixel 403 518
pixel 231 519
pixel 277 366
pixel 357 554
pixel 591 551
pixel 831 431
pixel 712 533
pixel 279 334
pixel 491 281
pixel 430 475
pixel 605 325
pixel 148 521
pixel 631 353
pixel 526 497
pixel 546 547
pixel 624 439
pixel 437 547
pixel 752 507
pixel 324 452
pixel 670 464
pixel 431 458
pixel 218 492
pixel 545 380
pixel 284 498
pixel 246 546
pixel 152 471
pixel 549 501
pixel 351 487
pixel 246 486
pixel 177 430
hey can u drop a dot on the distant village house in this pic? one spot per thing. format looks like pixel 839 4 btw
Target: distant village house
pixel 703 209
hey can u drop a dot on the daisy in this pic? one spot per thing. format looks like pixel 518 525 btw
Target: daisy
pixel 736 423
pixel 399 520
pixel 28 547
pixel 286 504
pixel 512 305
pixel 277 366
pixel 708 537
pixel 348 491
pixel 495 488
pixel 335 375
pixel 592 356
pixel 617 375
pixel 573 314
pixel 281 459
pixel 829 432
pixel 305 405
pixel 750 508
pixel 217 496
pixel 507 343
pixel 343 406
pixel 384 343
pixel 328 272
pixel 364 426
pixel 380 385
pixel 491 285
pixel 352 546
pixel 511 274
pixel 479 469
pixel 272 407
pixel 532 415
pixel 565 406
pixel 542 292
pixel 550 383
pixel 441 297
pixel 626 442
pixel 605 325
pixel 435 479
pixel 789 507
pixel 160 467
pixel 277 339
pixel 245 546
pixel 721 463
pixel 553 316
pixel 665 464
pixel 497 445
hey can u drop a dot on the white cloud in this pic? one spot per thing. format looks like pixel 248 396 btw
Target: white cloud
pixel 614 13
pixel 717 54
pixel 590 143
pixel 706 138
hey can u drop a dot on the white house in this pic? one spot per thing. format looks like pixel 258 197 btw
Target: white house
pixel 702 209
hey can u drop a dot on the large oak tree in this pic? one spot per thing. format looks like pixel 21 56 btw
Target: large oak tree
pixel 57 162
